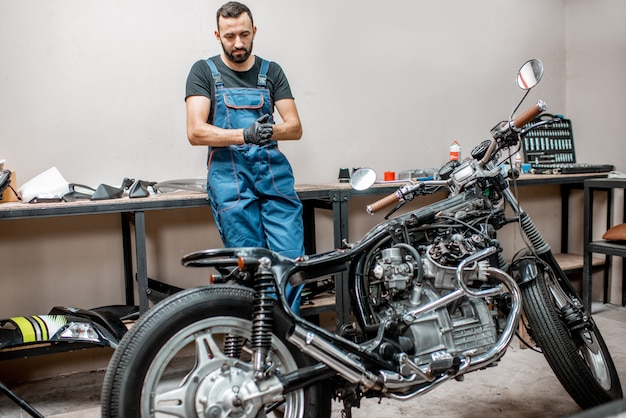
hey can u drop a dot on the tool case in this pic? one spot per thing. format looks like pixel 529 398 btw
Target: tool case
pixel 550 149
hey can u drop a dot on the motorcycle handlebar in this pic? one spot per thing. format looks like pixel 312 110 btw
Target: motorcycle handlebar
pixel 512 127
pixel 388 200
pixel 526 117
pixel 529 114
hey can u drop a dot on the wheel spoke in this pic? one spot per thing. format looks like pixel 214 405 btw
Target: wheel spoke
pixel 171 402
pixel 207 348
pixel 199 366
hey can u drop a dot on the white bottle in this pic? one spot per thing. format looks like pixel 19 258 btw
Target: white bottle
pixel 518 163
pixel 455 151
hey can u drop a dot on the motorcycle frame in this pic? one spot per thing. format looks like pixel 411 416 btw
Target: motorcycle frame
pixel 341 356
pixel 331 349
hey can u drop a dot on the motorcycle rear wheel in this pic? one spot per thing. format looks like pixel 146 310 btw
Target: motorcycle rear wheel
pixel 175 361
pixel 579 358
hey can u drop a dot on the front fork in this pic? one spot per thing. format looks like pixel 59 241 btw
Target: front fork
pixel 558 283
pixel 545 267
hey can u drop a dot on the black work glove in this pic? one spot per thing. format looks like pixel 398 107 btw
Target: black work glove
pixel 260 132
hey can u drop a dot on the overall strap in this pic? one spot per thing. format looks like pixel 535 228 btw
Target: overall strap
pixel 216 74
pixel 262 79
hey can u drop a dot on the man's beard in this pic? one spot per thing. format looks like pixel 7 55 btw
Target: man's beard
pixel 238 58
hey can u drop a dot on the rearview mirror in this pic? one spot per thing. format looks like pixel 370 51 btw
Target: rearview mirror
pixel 363 178
pixel 529 74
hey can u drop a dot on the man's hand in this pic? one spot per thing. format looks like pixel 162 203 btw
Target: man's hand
pixel 260 132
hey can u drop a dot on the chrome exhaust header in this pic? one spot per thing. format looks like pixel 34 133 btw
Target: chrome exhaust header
pixel 322 350
pixel 349 366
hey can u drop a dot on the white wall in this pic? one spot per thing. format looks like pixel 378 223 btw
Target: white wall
pixel 97 88
pixel 596 78
pixel 596 95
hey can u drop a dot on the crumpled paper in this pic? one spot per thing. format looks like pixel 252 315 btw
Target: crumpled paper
pixel 48 185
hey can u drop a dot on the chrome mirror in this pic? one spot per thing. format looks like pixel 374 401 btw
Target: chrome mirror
pixel 363 178
pixel 529 74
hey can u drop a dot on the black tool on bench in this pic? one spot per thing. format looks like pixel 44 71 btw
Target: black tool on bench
pixel 550 149
pixel 140 189
pixel 104 191
pixel 5 180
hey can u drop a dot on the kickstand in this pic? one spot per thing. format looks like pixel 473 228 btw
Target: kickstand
pixel 19 401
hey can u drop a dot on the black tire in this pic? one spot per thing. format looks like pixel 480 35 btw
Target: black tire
pixel 175 353
pixel 589 377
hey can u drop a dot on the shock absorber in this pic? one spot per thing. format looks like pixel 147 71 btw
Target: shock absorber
pixel 540 245
pixel 233 345
pixel 263 315
pixel 537 241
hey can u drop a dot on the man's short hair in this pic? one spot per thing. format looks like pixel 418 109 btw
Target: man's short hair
pixel 233 9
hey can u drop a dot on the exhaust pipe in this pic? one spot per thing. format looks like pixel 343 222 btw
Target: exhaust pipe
pixel 348 367
pixel 321 350
pixel 351 369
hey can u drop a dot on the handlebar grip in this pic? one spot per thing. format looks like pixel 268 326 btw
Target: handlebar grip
pixel 530 114
pixel 383 203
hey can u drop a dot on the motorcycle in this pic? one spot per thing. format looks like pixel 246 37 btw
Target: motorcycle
pixel 432 295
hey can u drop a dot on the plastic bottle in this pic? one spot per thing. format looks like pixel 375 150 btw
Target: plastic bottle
pixel 518 163
pixel 455 151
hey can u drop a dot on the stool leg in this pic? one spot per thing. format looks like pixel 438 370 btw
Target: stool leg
pixel 605 296
pixel 586 282
pixel 623 282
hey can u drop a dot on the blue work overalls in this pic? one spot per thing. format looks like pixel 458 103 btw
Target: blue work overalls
pixel 251 187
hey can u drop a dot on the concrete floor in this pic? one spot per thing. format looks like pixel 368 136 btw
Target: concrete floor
pixel 522 385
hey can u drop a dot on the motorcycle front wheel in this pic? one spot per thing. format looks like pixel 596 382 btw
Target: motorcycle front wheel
pixel 190 356
pixel 576 353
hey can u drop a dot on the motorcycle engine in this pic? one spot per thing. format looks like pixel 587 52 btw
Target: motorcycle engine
pixel 403 279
